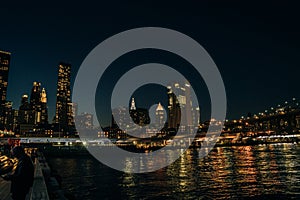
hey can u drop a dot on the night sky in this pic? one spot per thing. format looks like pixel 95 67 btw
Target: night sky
pixel 256 46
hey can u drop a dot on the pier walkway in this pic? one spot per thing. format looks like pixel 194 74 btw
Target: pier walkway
pixel 38 190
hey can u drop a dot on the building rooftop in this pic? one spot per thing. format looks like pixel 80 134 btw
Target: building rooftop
pixel 159 107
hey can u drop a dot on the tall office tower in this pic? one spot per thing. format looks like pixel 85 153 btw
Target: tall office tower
pixel 84 121
pixel 159 116
pixel 4 68
pixel 38 105
pixel 122 118
pixel 196 116
pixel 24 111
pixel 35 105
pixel 35 96
pixel 15 119
pixel 132 107
pixel 63 115
pixel 44 108
pixel 174 113
pixel 180 107
pixel 8 116
pixel 74 109
pixel 139 116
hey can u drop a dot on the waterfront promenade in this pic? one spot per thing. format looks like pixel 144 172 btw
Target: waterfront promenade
pixel 4 190
pixel 38 190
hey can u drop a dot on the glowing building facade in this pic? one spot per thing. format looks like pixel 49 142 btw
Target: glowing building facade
pixel 38 105
pixel 182 115
pixel 4 69
pixel 160 116
pixel 63 118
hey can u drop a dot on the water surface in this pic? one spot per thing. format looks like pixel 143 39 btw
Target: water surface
pixel 239 172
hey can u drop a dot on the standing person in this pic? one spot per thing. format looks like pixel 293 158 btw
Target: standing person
pixel 22 178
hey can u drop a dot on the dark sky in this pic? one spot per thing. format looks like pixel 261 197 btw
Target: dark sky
pixel 256 46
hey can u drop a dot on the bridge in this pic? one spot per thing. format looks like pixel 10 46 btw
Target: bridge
pixel 283 117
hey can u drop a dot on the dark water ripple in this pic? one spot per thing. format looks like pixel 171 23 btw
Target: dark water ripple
pixel 248 172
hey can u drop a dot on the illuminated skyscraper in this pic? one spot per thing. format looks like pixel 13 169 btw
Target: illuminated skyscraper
pixel 84 121
pixel 35 106
pixel 180 117
pixel 63 115
pixel 174 113
pixel 8 116
pixel 44 108
pixel 24 111
pixel 132 107
pixel 35 96
pixel 122 118
pixel 4 68
pixel 159 116
pixel 74 109
pixel 38 105
pixel 140 116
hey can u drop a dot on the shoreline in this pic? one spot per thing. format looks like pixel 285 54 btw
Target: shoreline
pixel 64 152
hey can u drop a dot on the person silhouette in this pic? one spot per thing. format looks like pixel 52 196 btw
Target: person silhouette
pixel 22 178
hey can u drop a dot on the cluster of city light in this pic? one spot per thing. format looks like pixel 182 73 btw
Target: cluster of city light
pixel 280 109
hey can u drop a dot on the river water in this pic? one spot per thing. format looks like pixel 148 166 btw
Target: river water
pixel 237 172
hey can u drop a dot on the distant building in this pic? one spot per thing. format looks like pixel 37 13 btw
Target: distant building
pixel 24 111
pixel 4 69
pixel 24 117
pixel 132 107
pixel 44 107
pixel 196 116
pixel 38 105
pixel 32 116
pixel 15 119
pixel 63 119
pixel 74 109
pixel 84 121
pixel 139 116
pixel 8 116
pixel 298 121
pixel 182 115
pixel 128 121
pixel 122 118
pixel 160 116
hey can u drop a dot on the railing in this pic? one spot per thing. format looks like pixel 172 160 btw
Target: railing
pixel 39 188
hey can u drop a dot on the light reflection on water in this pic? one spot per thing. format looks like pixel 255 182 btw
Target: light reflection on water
pixel 227 172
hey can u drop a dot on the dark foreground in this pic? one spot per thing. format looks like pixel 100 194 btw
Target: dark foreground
pixel 238 172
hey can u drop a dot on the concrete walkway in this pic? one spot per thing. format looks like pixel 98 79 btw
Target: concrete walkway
pixel 5 190
pixel 37 192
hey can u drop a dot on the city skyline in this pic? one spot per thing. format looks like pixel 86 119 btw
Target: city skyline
pixel 71 109
pixel 150 99
pixel 52 111
pixel 253 51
